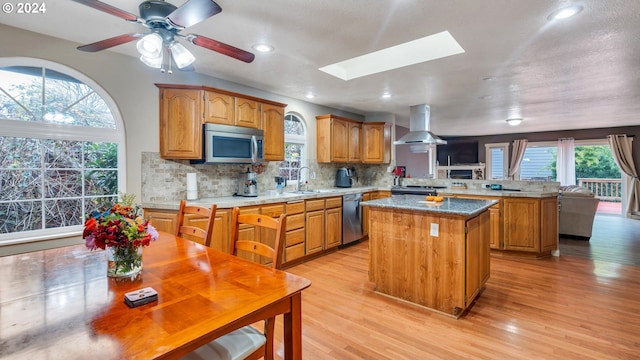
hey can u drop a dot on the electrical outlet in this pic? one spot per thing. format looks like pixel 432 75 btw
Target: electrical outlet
pixel 435 229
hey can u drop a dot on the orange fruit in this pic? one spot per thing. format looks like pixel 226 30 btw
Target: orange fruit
pixel 438 198
pixel 431 198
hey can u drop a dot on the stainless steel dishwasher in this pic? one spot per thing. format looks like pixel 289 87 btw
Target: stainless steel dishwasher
pixel 351 218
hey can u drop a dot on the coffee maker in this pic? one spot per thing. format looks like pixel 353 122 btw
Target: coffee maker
pixel 281 182
pixel 248 184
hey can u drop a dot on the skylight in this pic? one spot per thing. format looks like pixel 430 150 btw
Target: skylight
pixel 428 48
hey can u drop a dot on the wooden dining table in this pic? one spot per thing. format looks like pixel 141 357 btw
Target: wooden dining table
pixel 59 303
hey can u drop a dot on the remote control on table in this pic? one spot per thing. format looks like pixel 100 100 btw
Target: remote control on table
pixel 140 297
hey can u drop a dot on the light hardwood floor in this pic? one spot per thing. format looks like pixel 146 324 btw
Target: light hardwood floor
pixel 554 308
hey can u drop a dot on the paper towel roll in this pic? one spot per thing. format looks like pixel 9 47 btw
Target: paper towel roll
pixel 192 186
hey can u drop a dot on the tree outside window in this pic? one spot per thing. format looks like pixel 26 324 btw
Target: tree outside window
pixel 58 151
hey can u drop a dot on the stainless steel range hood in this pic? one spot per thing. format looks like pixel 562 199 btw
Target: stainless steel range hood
pixel 419 136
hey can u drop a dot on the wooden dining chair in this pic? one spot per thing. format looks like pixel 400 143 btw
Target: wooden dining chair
pixel 202 216
pixel 248 343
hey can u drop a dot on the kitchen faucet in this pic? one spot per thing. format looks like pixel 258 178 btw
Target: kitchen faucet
pixel 300 177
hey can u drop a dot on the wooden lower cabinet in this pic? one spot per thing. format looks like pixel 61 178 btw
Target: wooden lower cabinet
pixel 166 220
pixel 315 231
pixel 522 224
pixel 365 215
pixel 162 220
pixel 333 227
pixel 295 237
pixel 323 224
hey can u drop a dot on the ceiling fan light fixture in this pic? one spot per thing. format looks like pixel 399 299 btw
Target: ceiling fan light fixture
pixel 150 46
pixel 155 63
pixel 181 55
pixel 514 121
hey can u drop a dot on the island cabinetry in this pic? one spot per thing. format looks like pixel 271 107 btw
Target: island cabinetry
pixel 295 237
pixel 185 108
pixel 180 124
pixel 338 139
pixel 496 222
pixel 434 260
pixel 376 143
pixel 371 195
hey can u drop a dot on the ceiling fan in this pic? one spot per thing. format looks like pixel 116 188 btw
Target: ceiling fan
pixel 165 21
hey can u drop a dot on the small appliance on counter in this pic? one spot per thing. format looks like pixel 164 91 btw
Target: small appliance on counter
pixel 281 182
pixel 343 178
pixel 248 183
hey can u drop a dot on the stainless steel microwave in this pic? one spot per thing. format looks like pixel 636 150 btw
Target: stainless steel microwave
pixel 232 144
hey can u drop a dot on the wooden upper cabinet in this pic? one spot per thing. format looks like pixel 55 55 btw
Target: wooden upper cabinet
pixel 333 139
pixel 355 145
pixel 247 113
pixel 219 108
pixel 273 126
pixel 185 108
pixel 376 143
pixel 180 124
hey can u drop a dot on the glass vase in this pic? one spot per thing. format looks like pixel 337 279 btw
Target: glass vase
pixel 125 261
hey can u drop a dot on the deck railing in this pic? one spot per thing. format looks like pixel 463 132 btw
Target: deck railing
pixel 603 189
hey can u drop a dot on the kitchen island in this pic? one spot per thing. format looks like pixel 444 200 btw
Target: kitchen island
pixel 431 254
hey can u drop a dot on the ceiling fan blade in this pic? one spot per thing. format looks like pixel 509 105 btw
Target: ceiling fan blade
pixel 222 48
pixel 107 43
pixel 98 5
pixel 193 12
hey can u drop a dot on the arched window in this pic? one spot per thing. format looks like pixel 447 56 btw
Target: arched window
pixel 294 149
pixel 61 149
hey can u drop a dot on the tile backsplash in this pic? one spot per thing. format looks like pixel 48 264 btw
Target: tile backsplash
pixel 166 180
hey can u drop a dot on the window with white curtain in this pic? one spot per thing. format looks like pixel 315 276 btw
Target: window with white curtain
pixel 61 149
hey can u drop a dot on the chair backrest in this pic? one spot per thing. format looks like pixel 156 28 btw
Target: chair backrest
pixel 203 215
pixel 260 221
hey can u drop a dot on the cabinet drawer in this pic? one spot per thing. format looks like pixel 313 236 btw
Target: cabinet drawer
pixel 293 252
pixel 273 210
pixel 295 208
pixel 247 210
pixel 313 205
pixel 295 221
pixel 294 237
pixel 333 202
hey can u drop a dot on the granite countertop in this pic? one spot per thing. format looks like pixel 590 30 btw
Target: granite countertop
pixel 450 206
pixel 226 202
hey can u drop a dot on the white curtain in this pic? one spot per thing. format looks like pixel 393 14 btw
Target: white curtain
pixel 622 153
pixel 517 153
pixel 566 162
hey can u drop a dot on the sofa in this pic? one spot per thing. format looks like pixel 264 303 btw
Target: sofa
pixel 578 208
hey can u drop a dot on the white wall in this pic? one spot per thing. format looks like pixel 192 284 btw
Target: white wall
pixel 131 84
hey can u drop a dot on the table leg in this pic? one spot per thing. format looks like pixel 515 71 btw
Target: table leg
pixel 293 329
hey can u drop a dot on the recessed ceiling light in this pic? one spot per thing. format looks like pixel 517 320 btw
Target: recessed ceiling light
pixel 310 95
pixel 428 48
pixel 262 48
pixel 386 95
pixel 514 121
pixel 565 12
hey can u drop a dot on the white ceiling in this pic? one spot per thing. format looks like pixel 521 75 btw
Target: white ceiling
pixel 583 72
